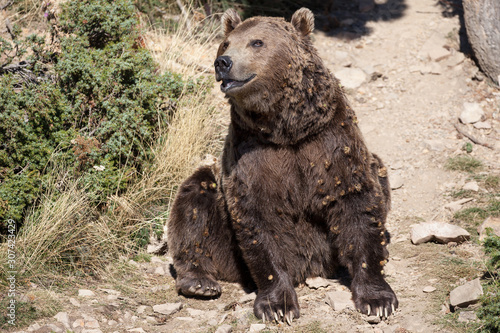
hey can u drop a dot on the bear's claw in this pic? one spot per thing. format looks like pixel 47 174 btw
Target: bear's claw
pixel 279 305
pixel 198 286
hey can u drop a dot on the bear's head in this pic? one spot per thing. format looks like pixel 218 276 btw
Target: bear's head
pixel 273 77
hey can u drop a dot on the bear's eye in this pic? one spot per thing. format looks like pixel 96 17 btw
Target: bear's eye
pixel 224 46
pixel 257 43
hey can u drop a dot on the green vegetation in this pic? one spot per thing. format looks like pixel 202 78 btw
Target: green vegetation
pixel 489 313
pixel 94 106
pixel 487 204
pixel 463 163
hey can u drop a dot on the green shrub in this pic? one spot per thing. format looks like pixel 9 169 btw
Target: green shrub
pixel 463 163
pixel 489 313
pixel 94 105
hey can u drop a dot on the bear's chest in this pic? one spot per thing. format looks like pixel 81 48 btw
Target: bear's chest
pixel 282 176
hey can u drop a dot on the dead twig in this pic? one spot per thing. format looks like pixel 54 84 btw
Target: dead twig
pixel 7 4
pixel 470 137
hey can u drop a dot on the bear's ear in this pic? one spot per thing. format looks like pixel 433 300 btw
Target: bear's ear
pixel 303 21
pixel 230 20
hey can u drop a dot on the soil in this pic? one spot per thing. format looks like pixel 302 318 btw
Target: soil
pixel 407 108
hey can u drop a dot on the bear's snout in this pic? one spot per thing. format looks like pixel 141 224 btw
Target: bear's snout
pixel 222 65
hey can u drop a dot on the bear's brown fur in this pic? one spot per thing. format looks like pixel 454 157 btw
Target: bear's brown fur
pixel 297 193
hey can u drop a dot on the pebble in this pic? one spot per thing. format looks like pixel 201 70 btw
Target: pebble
pixel 141 309
pixel 159 270
pixel 471 186
pixel 317 282
pixel 85 293
pixel 466 294
pixel 226 328
pixel 167 308
pixel 74 302
pixel 455 206
pixel 482 125
pixel 78 323
pixel 471 113
pixel 339 300
pixel 396 181
pixel 138 329
pixel 257 327
pixel 351 78
pixel 437 231
pixel 195 312
pixel 247 298
pixel 467 316
pixel 429 289
pixel 373 319
pixel 490 222
pixel 433 49
pixel 112 323
pixel 63 318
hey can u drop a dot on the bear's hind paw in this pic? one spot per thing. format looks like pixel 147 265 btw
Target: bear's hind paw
pixel 193 285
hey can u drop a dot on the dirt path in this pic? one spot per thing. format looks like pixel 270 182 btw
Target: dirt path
pixel 406 105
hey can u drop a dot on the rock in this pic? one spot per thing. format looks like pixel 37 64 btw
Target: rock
pixel 373 319
pixel 482 125
pixel 490 222
pixel 78 323
pixel 63 318
pixel 55 329
pixel 85 293
pixel 396 182
pixel 138 329
pixel 466 294
pixel 339 300
pixel 195 312
pixel 351 78
pixel 159 270
pixel 247 298
pixel 439 232
pixel 433 49
pixel 472 113
pixel 112 323
pixel 95 330
pixel 471 186
pixel 91 323
pixel 167 308
pixel 455 206
pixel 74 302
pixel 110 291
pixel 257 327
pixel 141 309
pixel 429 289
pixel 435 145
pixel 224 329
pixel 156 260
pixel 466 316
pixel 318 282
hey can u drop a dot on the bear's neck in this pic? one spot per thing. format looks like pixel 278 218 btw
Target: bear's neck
pixel 307 104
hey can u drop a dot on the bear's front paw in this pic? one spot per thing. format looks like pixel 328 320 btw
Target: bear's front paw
pixel 278 304
pixel 375 299
pixel 193 284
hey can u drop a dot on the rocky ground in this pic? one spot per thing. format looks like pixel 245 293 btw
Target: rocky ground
pixel 409 83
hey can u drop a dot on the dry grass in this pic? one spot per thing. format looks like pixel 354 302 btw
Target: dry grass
pixel 190 50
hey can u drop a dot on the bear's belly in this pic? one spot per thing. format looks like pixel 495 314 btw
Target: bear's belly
pixel 275 188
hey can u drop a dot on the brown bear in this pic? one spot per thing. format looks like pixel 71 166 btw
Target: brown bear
pixel 296 192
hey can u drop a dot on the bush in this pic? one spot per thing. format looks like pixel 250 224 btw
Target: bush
pixel 94 105
pixel 489 313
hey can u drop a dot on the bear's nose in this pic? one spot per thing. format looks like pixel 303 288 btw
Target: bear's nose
pixel 222 65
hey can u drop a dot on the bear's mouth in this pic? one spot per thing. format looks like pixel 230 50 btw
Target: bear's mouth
pixel 228 84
